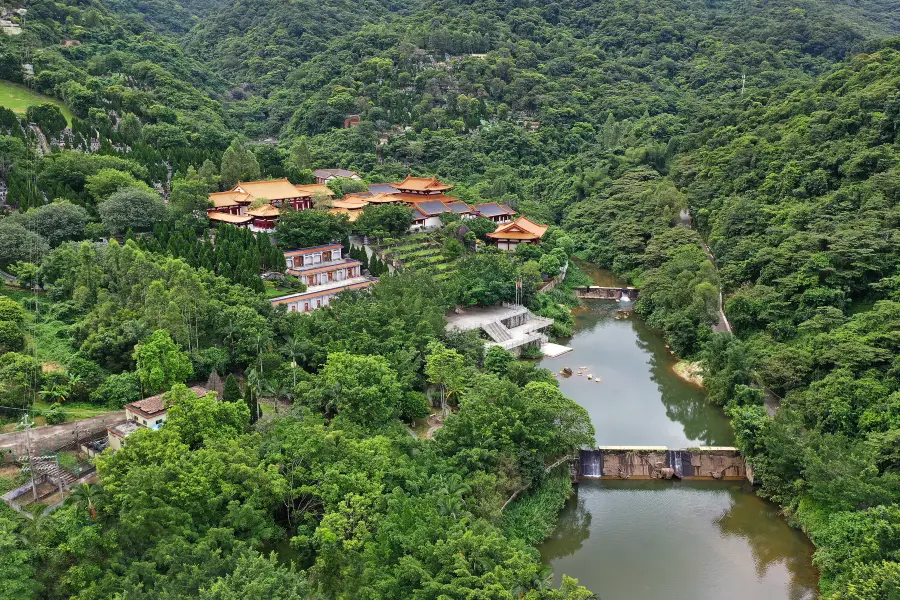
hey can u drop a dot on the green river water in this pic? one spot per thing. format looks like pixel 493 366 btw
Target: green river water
pixel 663 540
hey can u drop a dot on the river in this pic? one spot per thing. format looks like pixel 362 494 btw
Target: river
pixel 654 540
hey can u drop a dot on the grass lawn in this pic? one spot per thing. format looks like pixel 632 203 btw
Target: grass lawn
pixel 18 98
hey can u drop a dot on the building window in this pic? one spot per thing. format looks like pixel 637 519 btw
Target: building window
pixel 159 421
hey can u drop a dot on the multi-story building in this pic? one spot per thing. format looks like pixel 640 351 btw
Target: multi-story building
pixel 325 273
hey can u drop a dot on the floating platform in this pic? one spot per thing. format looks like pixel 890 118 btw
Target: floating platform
pixel 551 350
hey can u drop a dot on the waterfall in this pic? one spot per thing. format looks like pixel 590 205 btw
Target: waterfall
pixel 676 462
pixel 624 297
pixel 591 463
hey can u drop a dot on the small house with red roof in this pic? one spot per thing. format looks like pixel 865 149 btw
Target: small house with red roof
pixel 149 412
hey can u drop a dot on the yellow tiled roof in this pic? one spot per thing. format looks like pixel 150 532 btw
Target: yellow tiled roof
pixel 312 189
pixel 266 210
pixel 227 218
pixel 276 189
pixel 232 198
pixel 422 184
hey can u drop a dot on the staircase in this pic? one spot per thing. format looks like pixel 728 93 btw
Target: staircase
pixel 497 332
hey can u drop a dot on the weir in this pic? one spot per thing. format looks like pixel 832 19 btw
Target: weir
pixel 659 462
pixel 596 292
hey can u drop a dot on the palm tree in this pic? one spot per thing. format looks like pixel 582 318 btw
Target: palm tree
pixel 86 496
pixel 258 384
pixel 294 347
pixel 35 516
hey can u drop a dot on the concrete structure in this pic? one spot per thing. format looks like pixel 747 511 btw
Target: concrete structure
pixel 660 462
pixel 596 292
pixel 510 326
pixel 325 273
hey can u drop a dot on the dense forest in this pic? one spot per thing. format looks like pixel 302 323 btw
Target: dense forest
pixel 645 130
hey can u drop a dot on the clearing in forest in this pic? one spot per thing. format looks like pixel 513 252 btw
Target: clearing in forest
pixel 18 98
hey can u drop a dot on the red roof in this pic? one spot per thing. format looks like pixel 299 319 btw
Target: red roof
pixel 153 406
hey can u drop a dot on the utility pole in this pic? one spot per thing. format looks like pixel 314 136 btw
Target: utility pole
pixel 27 424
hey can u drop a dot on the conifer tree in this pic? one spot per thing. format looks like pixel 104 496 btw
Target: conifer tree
pixel 252 404
pixel 231 391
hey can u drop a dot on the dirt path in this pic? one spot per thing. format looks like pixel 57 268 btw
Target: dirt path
pixel 12 440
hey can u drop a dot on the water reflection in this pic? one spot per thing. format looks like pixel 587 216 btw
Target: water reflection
pixel 640 400
pixel 650 540
pixel 759 524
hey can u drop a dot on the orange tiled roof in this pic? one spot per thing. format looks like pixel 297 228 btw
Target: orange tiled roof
pixel 384 199
pixel 311 189
pixel 349 203
pixel 232 198
pixel 266 210
pixel 312 249
pixel 352 215
pixel 226 218
pixel 422 184
pixel 520 229
pixel 275 189
pixel 415 198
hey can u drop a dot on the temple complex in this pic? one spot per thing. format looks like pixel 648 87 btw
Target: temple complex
pixel 267 197
pixel 425 196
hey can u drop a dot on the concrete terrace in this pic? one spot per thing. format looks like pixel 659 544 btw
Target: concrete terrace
pixel 510 326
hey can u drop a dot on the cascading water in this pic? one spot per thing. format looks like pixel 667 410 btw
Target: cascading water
pixel 624 297
pixel 591 464
pixel 676 462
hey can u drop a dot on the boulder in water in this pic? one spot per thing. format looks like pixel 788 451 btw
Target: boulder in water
pixel 567 371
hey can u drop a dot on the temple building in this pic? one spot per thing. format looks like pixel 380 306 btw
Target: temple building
pixel 520 231
pixel 424 186
pixel 350 206
pixel 498 213
pixel 326 175
pixel 233 206
pixel 325 273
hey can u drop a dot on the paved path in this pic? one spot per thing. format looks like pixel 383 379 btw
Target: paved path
pixel 17 438
pixel 723 326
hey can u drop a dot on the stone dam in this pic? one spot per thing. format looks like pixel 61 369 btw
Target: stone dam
pixel 659 462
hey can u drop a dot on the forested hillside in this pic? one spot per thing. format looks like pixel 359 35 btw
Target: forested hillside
pixel 775 125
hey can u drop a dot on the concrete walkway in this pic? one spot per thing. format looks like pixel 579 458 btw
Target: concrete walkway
pixel 39 434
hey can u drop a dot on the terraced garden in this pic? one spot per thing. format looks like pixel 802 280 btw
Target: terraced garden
pixel 419 252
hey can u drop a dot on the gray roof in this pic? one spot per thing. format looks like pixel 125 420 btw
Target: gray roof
pixel 382 188
pixel 493 209
pixel 459 207
pixel 433 207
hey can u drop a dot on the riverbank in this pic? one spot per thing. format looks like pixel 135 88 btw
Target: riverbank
pixel 692 372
